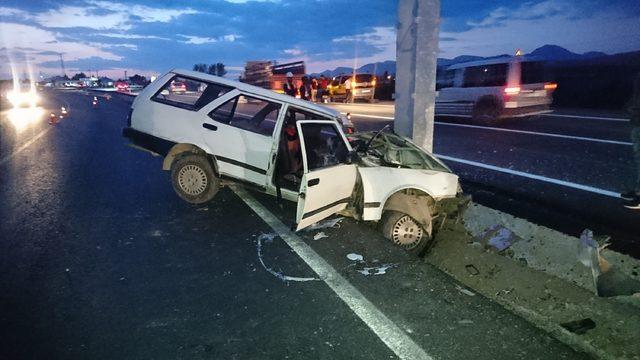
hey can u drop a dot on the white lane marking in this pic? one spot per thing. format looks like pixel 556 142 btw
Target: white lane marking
pixel 395 339
pixel 25 145
pixel 582 138
pixel 589 117
pixel 538 133
pixel 371 116
pixel 532 176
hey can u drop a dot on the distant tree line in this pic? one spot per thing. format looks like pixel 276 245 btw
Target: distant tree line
pixel 213 69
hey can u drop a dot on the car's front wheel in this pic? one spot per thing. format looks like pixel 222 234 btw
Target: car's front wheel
pixel 406 232
pixel 193 179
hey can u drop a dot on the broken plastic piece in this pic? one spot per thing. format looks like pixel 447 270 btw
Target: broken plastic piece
pixel 325 224
pixel 320 235
pixel 465 291
pixel 579 326
pixel 376 270
pixel 355 257
pixel 501 240
pixel 589 255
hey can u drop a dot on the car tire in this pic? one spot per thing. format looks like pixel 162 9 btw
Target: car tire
pixel 405 232
pixel 193 179
pixel 487 110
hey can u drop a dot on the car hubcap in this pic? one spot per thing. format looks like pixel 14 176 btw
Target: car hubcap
pixel 407 233
pixel 192 180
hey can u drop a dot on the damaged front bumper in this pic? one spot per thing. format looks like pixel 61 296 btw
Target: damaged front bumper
pixel 451 209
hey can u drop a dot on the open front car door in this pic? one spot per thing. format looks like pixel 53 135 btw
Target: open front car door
pixel 329 177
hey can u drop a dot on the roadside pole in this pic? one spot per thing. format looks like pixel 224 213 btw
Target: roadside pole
pixel 416 56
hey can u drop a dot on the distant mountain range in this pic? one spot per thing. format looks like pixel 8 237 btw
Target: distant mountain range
pixel 546 53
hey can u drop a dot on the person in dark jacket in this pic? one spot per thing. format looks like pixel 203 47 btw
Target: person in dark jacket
pixel 632 198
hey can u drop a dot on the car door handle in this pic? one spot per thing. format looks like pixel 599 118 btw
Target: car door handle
pixel 210 126
pixel 313 182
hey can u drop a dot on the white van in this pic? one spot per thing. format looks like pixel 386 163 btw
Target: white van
pixel 488 90
pixel 218 131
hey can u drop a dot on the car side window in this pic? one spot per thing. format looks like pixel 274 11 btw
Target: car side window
pixel 323 145
pixel 189 93
pixel 295 114
pixel 248 113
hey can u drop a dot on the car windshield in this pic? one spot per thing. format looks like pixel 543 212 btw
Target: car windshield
pixel 364 78
pixel 391 150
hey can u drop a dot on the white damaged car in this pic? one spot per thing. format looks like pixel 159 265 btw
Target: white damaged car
pixel 217 131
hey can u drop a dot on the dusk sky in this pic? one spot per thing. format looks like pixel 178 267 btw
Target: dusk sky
pixel 154 36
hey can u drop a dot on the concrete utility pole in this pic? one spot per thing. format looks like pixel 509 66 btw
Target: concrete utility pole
pixel 64 73
pixel 416 57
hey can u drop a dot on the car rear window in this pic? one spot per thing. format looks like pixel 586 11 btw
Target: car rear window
pixel 532 72
pixel 486 75
pixel 190 94
pixel 364 78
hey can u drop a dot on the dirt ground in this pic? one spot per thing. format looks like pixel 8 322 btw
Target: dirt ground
pixel 539 277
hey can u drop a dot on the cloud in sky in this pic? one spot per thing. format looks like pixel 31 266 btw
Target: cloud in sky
pixel 199 40
pixel 104 15
pixel 557 22
pixel 157 35
pixel 131 36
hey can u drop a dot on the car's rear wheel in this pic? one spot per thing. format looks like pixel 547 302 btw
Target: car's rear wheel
pixel 406 232
pixel 193 179
pixel 487 110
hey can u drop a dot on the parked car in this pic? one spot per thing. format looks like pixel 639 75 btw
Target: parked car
pixel 178 86
pixel 488 90
pixel 122 86
pixel 363 86
pixel 232 132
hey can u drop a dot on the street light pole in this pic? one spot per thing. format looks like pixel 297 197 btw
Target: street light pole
pixel 416 62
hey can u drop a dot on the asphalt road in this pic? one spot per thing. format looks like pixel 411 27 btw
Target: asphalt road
pixel 99 259
pixel 563 170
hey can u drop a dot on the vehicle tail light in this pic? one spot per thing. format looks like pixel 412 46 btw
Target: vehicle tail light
pixel 550 86
pixel 515 90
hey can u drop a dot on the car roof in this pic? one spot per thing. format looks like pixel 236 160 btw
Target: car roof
pixel 257 91
pixel 493 61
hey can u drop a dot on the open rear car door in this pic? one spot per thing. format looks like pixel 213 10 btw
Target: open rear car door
pixel 329 177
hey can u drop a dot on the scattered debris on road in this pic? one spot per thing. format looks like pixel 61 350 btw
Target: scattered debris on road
pixel 320 235
pixel 369 268
pixel 268 238
pixel 607 279
pixel 497 238
pixel 465 291
pixel 325 224
pixel 376 270
pixel 355 257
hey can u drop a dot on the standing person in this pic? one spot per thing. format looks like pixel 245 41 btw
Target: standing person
pixel 290 86
pixel 314 89
pixel 322 86
pixel 632 198
pixel 303 89
pixel 347 88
